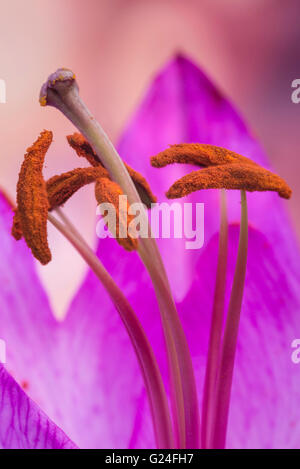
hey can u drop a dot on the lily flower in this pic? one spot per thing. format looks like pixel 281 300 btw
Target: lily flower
pixel 81 382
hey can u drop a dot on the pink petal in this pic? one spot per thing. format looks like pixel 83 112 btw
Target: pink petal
pixel 26 323
pixel 31 333
pixel 103 380
pixel 266 388
pixel 81 372
pixel 23 424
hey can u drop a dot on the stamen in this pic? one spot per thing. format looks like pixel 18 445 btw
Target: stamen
pixel 83 148
pixel 32 199
pixel 224 169
pixel 109 191
pixel 225 373
pixel 248 177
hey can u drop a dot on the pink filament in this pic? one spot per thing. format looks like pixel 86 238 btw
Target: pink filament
pixel 214 348
pixel 225 374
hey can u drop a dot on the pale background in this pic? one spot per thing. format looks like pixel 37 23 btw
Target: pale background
pixel 251 49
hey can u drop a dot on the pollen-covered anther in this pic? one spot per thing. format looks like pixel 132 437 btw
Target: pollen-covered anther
pixel 231 176
pixel 32 199
pixel 199 154
pixel 222 169
pixel 60 188
pixel 142 187
pixel 107 191
pixel 84 149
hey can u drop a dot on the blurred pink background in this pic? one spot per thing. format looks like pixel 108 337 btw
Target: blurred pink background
pixel 250 48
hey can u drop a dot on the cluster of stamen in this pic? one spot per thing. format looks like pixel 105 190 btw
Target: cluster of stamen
pixel 35 196
pixel 222 168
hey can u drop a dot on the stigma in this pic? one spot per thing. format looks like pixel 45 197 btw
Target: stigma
pixel 58 82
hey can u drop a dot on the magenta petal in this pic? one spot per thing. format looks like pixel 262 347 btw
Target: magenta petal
pixel 265 400
pixel 30 331
pixel 107 373
pixel 81 372
pixel 26 321
pixel 23 424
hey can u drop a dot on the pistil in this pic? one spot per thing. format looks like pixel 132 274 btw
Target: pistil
pixel 61 91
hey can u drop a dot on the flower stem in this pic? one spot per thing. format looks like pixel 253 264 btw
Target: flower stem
pixel 61 91
pixel 225 374
pixel 145 355
pixel 214 348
